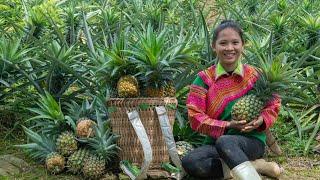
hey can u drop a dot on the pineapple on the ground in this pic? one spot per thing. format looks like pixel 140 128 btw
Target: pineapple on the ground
pixel 43 149
pixel 183 148
pixel 103 149
pixel 94 167
pixel 76 160
pixel 85 128
pixel 127 86
pixel 109 176
pixel 55 163
pixel 66 144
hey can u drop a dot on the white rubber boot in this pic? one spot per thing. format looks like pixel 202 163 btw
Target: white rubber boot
pixel 245 171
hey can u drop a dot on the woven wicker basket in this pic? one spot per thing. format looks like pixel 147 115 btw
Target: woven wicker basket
pixel 129 143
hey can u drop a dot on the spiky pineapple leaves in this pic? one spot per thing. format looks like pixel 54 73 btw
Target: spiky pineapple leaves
pixel 40 147
pixel 104 142
pixel 50 113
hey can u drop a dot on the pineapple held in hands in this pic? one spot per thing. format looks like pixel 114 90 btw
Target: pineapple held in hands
pixel 274 78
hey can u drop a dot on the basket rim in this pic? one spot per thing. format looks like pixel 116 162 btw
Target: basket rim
pixel 141 100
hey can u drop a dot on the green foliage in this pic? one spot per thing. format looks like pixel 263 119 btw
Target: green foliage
pixel 40 147
pixel 103 144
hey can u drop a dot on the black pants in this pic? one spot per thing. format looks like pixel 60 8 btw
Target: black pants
pixel 204 162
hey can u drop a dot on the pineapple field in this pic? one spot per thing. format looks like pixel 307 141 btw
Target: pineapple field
pixel 62 60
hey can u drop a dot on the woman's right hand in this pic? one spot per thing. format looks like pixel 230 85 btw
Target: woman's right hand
pixel 236 124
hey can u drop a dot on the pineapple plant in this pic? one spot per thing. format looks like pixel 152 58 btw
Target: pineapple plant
pixel 103 149
pixel 55 163
pixel 158 61
pixel 49 116
pixel 275 75
pixel 104 142
pixel 94 167
pixel 127 86
pixel 85 128
pixel 183 148
pixel 43 149
pixel 66 143
pixel 76 160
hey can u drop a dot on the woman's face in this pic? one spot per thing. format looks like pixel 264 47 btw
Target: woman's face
pixel 228 47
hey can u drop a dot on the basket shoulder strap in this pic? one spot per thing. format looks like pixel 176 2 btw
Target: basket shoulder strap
pixel 146 146
pixel 169 139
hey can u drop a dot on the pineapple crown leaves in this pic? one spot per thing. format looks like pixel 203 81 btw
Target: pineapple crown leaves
pixel 276 74
pixel 86 109
pixel 40 147
pixel 48 108
pixel 157 58
pixel 104 142
pixel 115 59
pixel 310 22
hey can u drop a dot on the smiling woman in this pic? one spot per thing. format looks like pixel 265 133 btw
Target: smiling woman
pixel 234 142
pixel 229 47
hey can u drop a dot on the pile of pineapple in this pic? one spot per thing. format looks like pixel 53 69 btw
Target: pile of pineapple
pixel 74 143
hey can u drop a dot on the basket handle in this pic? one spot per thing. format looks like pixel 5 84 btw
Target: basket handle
pixel 169 139
pixel 146 146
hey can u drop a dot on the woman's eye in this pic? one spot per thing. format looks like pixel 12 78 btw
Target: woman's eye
pixel 236 43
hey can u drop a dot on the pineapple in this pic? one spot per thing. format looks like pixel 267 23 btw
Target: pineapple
pixel 76 160
pixel 85 128
pixel 167 90
pixel 127 86
pixel 275 75
pixel 183 148
pixel 157 62
pixel 247 108
pixel 103 147
pixel 55 163
pixel 43 149
pixel 66 143
pixel 93 167
pixel 154 92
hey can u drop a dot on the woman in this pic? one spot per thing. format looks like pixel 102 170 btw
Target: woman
pixel 209 104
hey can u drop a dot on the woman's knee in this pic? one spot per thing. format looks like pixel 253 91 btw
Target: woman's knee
pixel 225 143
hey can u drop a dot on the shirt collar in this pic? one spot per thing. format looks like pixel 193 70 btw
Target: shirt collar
pixel 221 71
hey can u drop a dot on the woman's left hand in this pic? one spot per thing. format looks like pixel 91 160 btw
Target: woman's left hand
pixel 253 125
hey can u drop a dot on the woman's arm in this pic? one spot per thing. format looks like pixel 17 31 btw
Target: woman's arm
pixel 196 105
pixel 270 113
